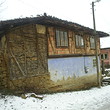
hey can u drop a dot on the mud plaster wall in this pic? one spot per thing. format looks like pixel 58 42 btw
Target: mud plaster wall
pixel 27 59
pixel 27 62
pixel 3 65
pixel 64 68
pixel 71 73
pixel 53 50
pixel 73 83
pixel 37 84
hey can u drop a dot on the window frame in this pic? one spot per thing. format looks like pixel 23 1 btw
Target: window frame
pixel 105 56
pixel 78 43
pixel 91 44
pixel 65 38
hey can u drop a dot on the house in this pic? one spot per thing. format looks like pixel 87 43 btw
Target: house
pixel 46 54
pixel 105 56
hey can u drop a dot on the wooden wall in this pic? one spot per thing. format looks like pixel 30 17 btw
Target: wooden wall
pixel 3 64
pixel 71 68
pixel 53 50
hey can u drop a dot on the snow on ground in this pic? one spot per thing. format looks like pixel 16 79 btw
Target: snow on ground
pixel 92 99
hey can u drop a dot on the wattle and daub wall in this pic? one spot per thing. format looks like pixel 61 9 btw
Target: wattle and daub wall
pixel 30 61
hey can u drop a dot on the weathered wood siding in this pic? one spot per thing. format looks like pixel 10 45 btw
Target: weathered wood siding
pixel 53 50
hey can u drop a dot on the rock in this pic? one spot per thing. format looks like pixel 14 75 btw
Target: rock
pixel 23 96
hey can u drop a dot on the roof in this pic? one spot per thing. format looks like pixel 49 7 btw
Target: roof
pixel 106 48
pixel 48 21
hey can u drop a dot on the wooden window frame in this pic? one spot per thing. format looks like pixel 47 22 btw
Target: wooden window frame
pixel 61 44
pixel 103 56
pixel 106 57
pixel 92 45
pixel 78 41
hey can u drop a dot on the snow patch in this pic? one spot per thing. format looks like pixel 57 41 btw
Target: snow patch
pixel 92 99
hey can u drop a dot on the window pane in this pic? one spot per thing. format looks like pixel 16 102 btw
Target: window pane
pixel 92 42
pixel 82 42
pixel 66 38
pixel 102 56
pixel 77 39
pixel 106 56
pixel 62 38
pixel 57 38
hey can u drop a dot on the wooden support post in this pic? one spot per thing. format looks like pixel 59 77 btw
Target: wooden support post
pixel 17 63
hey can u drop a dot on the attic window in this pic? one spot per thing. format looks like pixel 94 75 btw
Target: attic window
pixel 61 38
pixel 79 41
pixel 92 43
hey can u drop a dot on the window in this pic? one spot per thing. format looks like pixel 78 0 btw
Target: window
pixel 101 56
pixel 104 56
pixel 79 41
pixel 92 43
pixel 61 38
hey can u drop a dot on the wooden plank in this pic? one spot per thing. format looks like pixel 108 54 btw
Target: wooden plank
pixel 17 63
pixel 51 44
pixel 25 60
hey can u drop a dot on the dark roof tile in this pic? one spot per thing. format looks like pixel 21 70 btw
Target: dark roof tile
pixel 50 21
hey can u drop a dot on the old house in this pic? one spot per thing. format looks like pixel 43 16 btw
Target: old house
pixel 47 54
pixel 105 56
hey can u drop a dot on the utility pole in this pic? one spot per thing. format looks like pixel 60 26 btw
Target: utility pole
pixel 96 49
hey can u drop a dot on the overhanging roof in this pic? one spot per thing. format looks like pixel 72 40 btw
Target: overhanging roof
pixel 49 21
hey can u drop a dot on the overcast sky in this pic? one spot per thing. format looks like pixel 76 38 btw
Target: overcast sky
pixel 78 11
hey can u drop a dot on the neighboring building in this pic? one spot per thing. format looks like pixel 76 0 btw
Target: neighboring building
pixel 47 54
pixel 105 56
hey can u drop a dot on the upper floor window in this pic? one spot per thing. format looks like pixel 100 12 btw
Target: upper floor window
pixel 92 43
pixel 61 38
pixel 79 41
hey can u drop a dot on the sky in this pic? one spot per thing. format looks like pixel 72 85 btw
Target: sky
pixel 78 11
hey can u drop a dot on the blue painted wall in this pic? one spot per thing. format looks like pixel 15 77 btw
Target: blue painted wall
pixel 63 68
